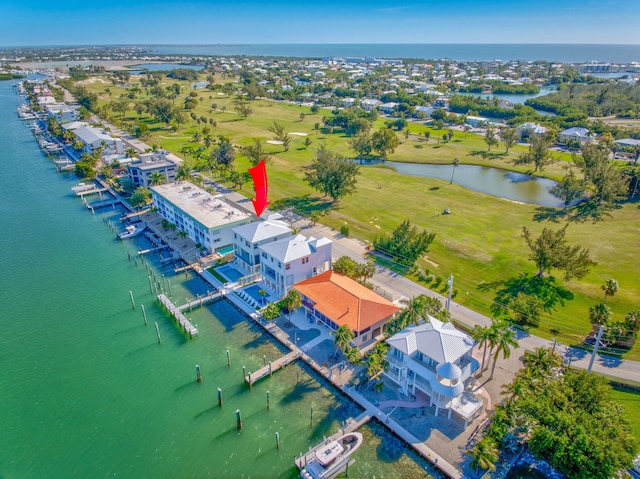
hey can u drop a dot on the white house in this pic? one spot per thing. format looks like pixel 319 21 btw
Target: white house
pixel 435 359
pixel 248 238
pixel 61 112
pixel 94 138
pixel 206 219
pixel 291 260
pixel 140 170
pixel 388 107
pixel 529 129
pixel 476 121
pixel 368 104
pixel 578 134
pixel 427 110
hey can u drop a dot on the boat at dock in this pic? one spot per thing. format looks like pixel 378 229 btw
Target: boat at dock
pixel 330 458
pixel 133 230
pixel 80 187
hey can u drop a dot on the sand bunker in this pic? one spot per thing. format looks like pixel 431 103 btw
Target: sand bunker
pixel 297 133
pixel 274 142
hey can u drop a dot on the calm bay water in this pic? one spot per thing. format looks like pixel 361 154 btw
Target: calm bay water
pixel 85 388
pixel 463 52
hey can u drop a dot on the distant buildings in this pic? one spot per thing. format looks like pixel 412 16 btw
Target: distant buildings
pixel 94 138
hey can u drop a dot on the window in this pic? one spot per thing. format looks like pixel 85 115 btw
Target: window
pixel 288 266
pixel 364 338
pixel 264 255
pixel 305 260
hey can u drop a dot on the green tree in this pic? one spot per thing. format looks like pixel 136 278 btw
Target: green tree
pixel 255 152
pixel 606 182
pixel 280 134
pixel 223 155
pixel 600 314
pixel 610 288
pixel 406 244
pixel 569 189
pixel 455 163
pixel 156 178
pixel 538 153
pixel 377 361
pixel 361 144
pixel 332 174
pixel 505 341
pixel 292 301
pixel 526 308
pixel 384 141
pixel 490 138
pixel 342 339
pixel 244 109
pixel 550 250
pixel 509 138
pixel 484 455
pixel 542 361
pixel 484 336
pixel 140 197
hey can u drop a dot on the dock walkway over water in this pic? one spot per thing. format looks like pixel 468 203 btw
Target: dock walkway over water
pixel 178 316
pixel 271 367
pixel 199 301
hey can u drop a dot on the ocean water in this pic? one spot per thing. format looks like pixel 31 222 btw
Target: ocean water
pixel 568 53
pixel 87 391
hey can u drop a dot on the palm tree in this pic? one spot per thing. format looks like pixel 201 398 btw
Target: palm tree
pixel 414 312
pixel 484 455
pixel 541 361
pixel 610 288
pixel 184 172
pixel 600 314
pixel 377 362
pixel 292 301
pixel 343 337
pixel 483 336
pixel 156 178
pixel 455 163
pixel 262 294
pixel 506 341
pixel 353 356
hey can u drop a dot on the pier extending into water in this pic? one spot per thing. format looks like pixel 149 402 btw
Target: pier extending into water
pixel 281 362
pixel 178 316
pixel 199 301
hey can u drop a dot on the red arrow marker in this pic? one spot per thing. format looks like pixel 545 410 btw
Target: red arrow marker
pixel 261 187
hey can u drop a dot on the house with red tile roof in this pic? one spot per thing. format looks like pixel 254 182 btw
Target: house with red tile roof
pixel 335 300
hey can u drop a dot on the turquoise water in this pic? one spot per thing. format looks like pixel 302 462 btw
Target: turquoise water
pixel 86 390
pixel 455 51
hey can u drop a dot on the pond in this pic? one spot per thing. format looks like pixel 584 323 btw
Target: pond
pixel 516 99
pixel 491 181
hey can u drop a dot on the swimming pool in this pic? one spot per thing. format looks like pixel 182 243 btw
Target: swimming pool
pixel 229 272
pixel 253 291
pixel 224 251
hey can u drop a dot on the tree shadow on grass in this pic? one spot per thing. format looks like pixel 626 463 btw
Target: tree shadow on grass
pixel 305 204
pixel 546 288
pixel 548 213
pixel 487 155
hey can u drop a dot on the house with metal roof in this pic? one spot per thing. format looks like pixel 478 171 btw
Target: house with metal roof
pixel 336 300
pixel 291 260
pixel 94 138
pixel 248 238
pixel 575 133
pixel 529 129
pixel 435 359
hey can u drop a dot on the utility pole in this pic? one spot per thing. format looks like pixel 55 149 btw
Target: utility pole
pixel 595 348
pixel 450 282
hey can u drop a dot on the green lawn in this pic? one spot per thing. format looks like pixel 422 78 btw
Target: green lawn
pixel 631 402
pixel 479 243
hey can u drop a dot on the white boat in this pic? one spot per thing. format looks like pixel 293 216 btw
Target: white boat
pixel 83 187
pixel 328 459
pixel 132 230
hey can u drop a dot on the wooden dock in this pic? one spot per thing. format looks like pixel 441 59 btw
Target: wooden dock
pixel 102 204
pixel 92 191
pixel 199 301
pixel 270 368
pixel 157 249
pixel 178 316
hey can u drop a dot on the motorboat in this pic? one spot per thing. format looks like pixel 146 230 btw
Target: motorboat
pixel 133 230
pixel 80 187
pixel 330 458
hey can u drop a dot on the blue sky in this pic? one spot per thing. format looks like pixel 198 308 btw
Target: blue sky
pixel 72 22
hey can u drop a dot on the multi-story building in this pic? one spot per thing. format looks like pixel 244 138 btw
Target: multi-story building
pixel 291 260
pixel 435 359
pixel 248 238
pixel 140 171
pixel 206 219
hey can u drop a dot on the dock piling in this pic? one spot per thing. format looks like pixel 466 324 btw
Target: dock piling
pixel 219 397
pixel 238 419
pixel 268 400
pixel 133 303
pixel 198 373
pixel 158 333
pixel 311 420
pixel 244 373
pixel 144 314
pixel 228 359
pixel 150 285
pixel 277 440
